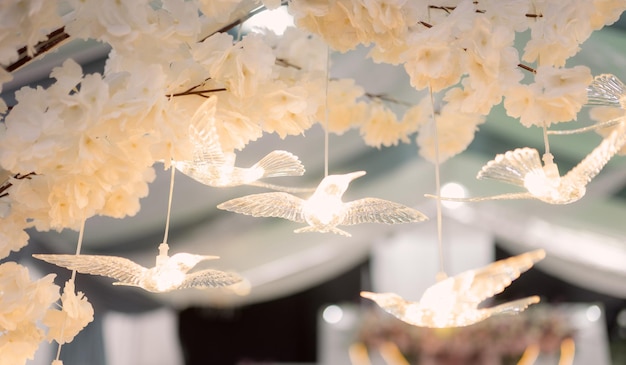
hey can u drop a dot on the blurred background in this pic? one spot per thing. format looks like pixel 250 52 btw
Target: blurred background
pixel 304 304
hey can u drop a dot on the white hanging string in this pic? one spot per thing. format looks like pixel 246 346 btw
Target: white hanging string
pixel 442 272
pixel 546 142
pixel 326 114
pixel 79 246
pixel 169 204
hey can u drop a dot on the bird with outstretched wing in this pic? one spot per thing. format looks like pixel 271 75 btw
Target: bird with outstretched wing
pixel 212 166
pixel 454 301
pixel 169 273
pixel 325 209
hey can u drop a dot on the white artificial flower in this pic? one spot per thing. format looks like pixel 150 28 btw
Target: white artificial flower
pixel 433 55
pixel 302 49
pixel 564 82
pixel 20 345
pixel 245 66
pixel 511 14
pixel 76 312
pixel 382 128
pixel 23 301
pixel 521 102
pixel 344 109
pixel 557 34
pixel 285 110
pixel 24 23
pixel 455 131
pixel 217 10
pixel 606 12
pixel 316 8
pixel 12 229
pixel 557 95
pixel 331 21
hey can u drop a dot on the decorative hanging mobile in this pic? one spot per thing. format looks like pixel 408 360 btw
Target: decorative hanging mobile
pixel 453 301
pixel 522 166
pixel 169 273
pixel 324 210
pixel 214 167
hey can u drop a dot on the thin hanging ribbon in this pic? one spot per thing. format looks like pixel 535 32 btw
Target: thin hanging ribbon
pixel 79 246
pixel 442 273
pixel 326 113
pixel 169 204
pixel 546 142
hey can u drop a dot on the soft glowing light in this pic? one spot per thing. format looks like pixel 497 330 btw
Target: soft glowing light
pixel 332 314
pixel 454 302
pixel 325 209
pixel 275 20
pixel 453 190
pixel 593 313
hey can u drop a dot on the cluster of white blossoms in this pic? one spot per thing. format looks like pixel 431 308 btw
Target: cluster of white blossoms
pixel 87 144
pixel 23 24
pixel 466 50
pixel 25 313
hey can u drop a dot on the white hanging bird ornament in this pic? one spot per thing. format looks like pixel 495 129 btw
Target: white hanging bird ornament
pixel 453 302
pixel 324 210
pixel 214 167
pixel 522 167
pixel 170 272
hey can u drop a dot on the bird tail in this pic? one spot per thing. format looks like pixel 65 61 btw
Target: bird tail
pixel 606 90
pixel 515 306
pixel 512 166
pixel 280 163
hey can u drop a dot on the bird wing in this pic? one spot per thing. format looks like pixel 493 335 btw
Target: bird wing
pixel 119 268
pixel 209 279
pixel 374 210
pixel 513 166
pixel 593 163
pixel 474 286
pixel 203 135
pixel 606 90
pixel 276 204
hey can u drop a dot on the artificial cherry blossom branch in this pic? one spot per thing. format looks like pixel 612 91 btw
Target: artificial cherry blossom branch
pixel 7 184
pixel 520 65
pixel 449 9
pixel 55 38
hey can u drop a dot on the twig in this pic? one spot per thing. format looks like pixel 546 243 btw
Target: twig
pixel 54 39
pixel 6 184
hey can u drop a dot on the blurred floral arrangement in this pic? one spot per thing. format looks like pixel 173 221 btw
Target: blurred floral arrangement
pixel 497 340
pixel 87 144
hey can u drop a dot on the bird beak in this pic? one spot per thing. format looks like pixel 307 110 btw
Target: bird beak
pixel 355 175
pixel 368 295
pixel 206 257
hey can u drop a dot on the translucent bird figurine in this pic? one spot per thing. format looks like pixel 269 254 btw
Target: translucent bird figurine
pixel 606 90
pixel 214 167
pixel 453 302
pixel 522 167
pixel 324 210
pixel 170 273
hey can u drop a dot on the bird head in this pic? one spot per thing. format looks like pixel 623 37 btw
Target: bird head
pixel 384 300
pixel 186 261
pixel 336 185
